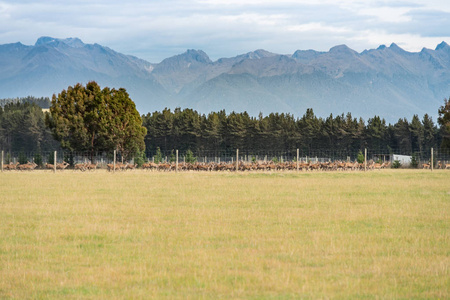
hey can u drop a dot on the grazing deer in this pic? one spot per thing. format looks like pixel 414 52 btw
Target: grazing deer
pixel 81 167
pixel 131 167
pixel 28 166
pixel 377 166
pixel 150 166
pixel 119 166
pixel 111 167
pixel 11 166
pixel 62 165
pixel 164 167
pixel 92 166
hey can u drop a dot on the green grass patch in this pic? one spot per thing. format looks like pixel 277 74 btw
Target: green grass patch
pixel 274 235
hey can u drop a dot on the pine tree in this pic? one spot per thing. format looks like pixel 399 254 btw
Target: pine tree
pixel 417 134
pixel 444 121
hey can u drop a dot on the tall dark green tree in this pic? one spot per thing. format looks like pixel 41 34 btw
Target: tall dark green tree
pixel 417 134
pixel 430 133
pixel 309 126
pixel 402 136
pixel 91 119
pixel 444 121
pixel 375 133
pixel 121 123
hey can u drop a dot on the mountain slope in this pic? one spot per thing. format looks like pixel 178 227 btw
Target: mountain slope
pixel 53 64
pixel 387 81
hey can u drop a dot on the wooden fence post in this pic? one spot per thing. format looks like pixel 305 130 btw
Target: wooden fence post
pixel 2 160
pixel 54 162
pixel 114 162
pixel 176 164
pixel 365 159
pixel 237 160
pixel 432 160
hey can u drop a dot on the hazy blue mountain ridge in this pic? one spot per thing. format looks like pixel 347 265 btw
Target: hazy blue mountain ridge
pixel 386 81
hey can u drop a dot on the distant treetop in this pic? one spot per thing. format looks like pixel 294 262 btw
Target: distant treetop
pixel 43 102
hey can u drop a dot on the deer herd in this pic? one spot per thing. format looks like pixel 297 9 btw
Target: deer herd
pixel 212 166
pixel 264 166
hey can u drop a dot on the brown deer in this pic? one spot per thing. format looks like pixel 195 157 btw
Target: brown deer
pixel 11 166
pixel 131 167
pixel 28 166
pixel 81 167
pixel 62 165
pixel 91 166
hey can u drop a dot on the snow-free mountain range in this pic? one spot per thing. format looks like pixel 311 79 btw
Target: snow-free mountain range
pixel 387 81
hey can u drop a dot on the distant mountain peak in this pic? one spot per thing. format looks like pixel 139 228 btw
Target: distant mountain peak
pixel 395 47
pixel 197 55
pixel 443 45
pixel 342 49
pixel 260 53
pixel 381 47
pixel 71 42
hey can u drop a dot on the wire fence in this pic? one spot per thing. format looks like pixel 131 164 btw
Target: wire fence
pixel 70 159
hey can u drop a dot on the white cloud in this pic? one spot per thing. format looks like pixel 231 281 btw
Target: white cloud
pixel 154 30
pixel 317 27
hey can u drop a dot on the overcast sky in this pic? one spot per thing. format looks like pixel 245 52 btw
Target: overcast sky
pixel 154 30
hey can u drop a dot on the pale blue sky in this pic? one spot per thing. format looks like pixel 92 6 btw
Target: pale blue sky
pixel 154 30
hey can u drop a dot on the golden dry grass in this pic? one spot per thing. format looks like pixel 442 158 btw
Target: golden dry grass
pixel 381 234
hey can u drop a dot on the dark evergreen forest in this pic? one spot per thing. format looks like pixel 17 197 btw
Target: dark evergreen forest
pixel 22 129
pixel 284 133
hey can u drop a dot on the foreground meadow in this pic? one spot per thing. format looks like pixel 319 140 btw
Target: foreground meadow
pixel 381 234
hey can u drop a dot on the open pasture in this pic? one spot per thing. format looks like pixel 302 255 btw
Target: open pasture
pixel 380 234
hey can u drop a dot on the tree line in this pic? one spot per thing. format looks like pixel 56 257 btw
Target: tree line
pixel 42 102
pixel 23 129
pixel 92 119
pixel 282 132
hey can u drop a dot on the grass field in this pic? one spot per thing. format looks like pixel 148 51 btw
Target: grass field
pixel 381 234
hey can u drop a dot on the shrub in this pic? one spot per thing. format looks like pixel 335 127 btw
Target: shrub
pixel 275 159
pixel 190 158
pixel 396 164
pixel 360 157
pixel 172 157
pixel 158 156
pixel 139 158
